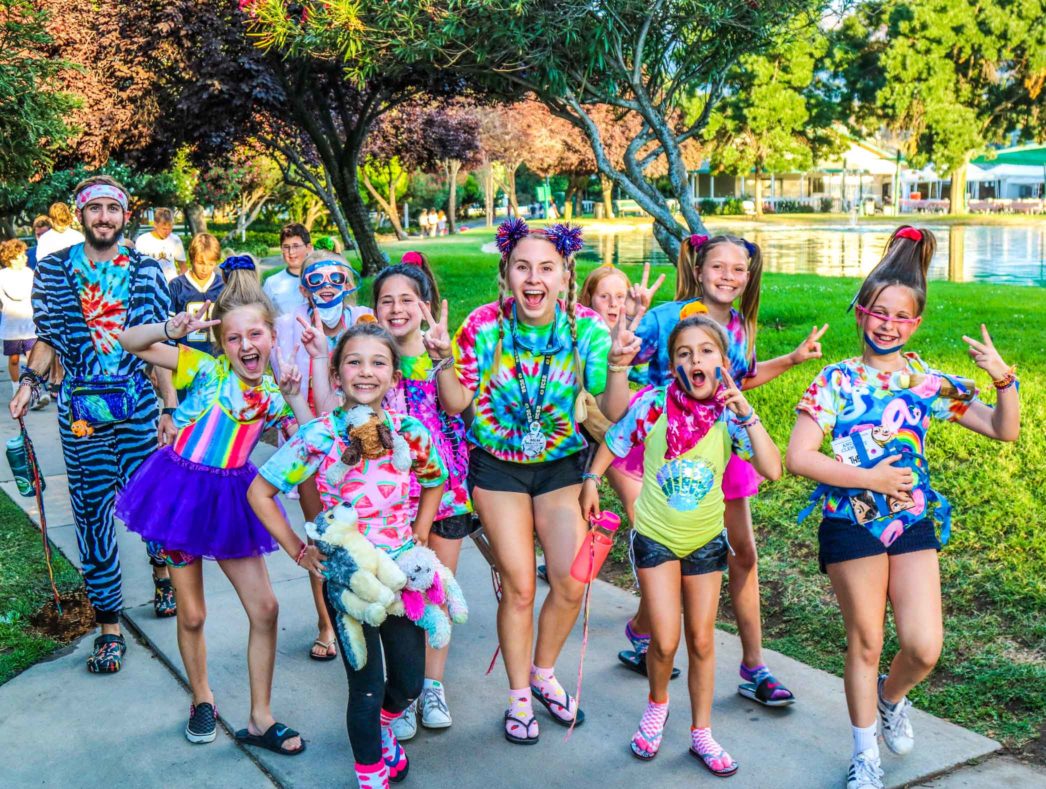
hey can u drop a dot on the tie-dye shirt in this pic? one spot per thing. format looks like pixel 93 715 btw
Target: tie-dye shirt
pixel 500 421
pixel 105 290
pixel 375 489
pixel 656 326
pixel 681 502
pixel 221 418
pixel 417 396
pixel 849 397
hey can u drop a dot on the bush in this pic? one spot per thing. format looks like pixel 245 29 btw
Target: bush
pixel 707 207
pixel 732 207
pixel 793 207
pixel 826 205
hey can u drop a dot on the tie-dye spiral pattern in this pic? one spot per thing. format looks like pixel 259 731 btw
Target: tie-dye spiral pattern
pixel 105 290
pixel 500 422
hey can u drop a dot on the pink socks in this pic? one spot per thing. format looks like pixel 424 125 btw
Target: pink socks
pixel 372 776
pixel 520 723
pixel 543 681
pixel 647 739
pixel 705 748
pixel 392 753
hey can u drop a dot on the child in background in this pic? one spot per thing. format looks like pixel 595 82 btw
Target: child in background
pixel 891 395
pixel 366 363
pixel 688 431
pixel 526 464
pixel 307 335
pixel 199 285
pixel 16 327
pixel 718 272
pixel 404 296
pixel 189 500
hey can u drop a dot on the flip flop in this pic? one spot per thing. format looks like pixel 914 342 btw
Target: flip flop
pixel 273 739
pixel 704 757
pixel 637 662
pixel 528 740
pixel 326 647
pixel 548 704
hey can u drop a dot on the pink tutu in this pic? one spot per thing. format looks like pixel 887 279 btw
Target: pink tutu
pixel 631 465
pixel 740 480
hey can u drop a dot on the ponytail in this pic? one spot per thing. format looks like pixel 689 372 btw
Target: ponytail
pixel 906 262
pixel 242 289
pixel 419 262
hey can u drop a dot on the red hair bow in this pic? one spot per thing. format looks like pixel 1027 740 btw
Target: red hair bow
pixel 910 233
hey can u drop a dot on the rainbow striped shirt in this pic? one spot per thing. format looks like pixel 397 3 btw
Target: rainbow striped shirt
pixel 222 418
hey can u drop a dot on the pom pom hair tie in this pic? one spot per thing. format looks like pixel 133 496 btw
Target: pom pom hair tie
pixel 509 234
pixel 412 258
pixel 237 262
pixel 910 233
pixel 697 241
pixel 566 239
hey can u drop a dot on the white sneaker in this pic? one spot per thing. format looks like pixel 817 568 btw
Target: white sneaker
pixel 43 402
pixel 895 725
pixel 865 772
pixel 406 725
pixel 434 711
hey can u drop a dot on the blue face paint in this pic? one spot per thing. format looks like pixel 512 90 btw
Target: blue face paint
pixel 718 374
pixel 684 378
pixel 879 350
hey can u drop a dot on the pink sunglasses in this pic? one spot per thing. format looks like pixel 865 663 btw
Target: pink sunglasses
pixel 885 318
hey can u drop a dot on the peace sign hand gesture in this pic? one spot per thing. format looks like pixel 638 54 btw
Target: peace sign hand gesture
pixel 985 356
pixel 731 396
pixel 642 295
pixel 313 340
pixel 290 376
pixel 185 323
pixel 810 348
pixel 437 338
pixel 626 344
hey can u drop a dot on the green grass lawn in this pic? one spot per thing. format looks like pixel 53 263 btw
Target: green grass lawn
pixel 24 589
pixel 992 675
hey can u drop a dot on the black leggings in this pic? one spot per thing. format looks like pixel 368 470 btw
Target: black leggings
pixel 399 645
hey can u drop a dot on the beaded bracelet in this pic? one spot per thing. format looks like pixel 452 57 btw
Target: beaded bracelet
pixel 301 553
pixel 749 421
pixel 1007 380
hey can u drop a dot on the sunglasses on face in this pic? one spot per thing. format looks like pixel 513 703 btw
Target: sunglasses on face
pixel 317 279
pixel 885 317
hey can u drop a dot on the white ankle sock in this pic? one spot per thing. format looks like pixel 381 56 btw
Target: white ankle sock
pixel 864 739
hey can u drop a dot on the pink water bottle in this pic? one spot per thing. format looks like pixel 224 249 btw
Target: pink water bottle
pixel 595 548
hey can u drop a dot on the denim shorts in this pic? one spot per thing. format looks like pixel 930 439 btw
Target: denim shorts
pixel 709 558
pixel 841 540
pixel 534 479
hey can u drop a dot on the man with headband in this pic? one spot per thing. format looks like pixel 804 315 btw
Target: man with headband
pixel 327 284
pixel 83 298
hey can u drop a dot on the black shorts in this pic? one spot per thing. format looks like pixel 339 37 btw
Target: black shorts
pixel 709 558
pixel 534 479
pixel 456 527
pixel 841 539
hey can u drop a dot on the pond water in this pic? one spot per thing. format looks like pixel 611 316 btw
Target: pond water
pixel 1012 255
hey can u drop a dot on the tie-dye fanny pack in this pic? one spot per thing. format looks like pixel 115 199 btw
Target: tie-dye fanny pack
pixel 102 399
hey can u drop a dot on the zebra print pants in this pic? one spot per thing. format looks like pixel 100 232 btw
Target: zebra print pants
pixel 98 467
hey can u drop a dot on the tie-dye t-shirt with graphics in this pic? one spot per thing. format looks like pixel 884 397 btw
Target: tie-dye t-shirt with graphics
pixel 850 397
pixel 417 396
pixel 221 418
pixel 656 326
pixel 681 502
pixel 501 422
pixel 376 489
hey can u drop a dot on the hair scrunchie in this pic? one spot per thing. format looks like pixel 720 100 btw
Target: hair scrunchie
pixel 910 233
pixel 235 262
pixel 412 258
pixel 697 240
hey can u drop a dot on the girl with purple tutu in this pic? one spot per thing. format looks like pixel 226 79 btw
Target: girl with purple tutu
pixel 189 500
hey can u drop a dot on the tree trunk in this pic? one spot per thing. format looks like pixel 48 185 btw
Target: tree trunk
pixel 489 193
pixel 7 226
pixel 346 186
pixel 607 187
pixel 758 191
pixel 195 217
pixel 452 167
pixel 958 190
pixel 313 212
pixel 387 205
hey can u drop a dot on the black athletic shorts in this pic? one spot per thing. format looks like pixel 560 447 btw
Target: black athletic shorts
pixel 841 540
pixel 534 479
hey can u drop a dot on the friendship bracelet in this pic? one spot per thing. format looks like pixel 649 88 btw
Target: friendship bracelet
pixel 32 376
pixel 442 365
pixel 301 553
pixel 597 478
pixel 749 421
pixel 619 368
pixel 1007 380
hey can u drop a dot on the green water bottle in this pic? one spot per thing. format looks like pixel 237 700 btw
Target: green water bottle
pixel 18 459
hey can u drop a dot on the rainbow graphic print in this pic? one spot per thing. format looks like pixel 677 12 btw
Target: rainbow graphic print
pixel 499 424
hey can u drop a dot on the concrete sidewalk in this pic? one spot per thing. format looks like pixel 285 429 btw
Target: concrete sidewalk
pixel 130 730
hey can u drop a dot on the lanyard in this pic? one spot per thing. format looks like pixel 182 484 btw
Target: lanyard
pixel 534 411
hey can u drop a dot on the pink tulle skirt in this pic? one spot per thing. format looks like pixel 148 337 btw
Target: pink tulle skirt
pixel 740 480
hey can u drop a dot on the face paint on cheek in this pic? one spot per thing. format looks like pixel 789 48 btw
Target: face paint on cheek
pixel 684 378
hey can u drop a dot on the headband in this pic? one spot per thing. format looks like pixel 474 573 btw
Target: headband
pixel 697 241
pixel 412 258
pixel 98 191
pixel 565 238
pixel 910 233
pixel 237 262
pixel 510 232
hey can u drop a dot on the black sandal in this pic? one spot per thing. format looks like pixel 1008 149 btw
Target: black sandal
pixel 547 702
pixel 108 654
pixel 528 740
pixel 272 740
pixel 637 662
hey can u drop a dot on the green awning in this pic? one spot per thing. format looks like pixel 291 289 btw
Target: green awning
pixel 1029 155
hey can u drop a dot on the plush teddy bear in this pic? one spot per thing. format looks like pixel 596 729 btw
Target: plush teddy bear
pixel 429 586
pixel 362 580
pixel 370 438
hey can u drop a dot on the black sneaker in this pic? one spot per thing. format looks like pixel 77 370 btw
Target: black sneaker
pixel 203 723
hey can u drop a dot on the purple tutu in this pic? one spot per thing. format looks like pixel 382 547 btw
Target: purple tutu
pixel 193 508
